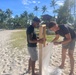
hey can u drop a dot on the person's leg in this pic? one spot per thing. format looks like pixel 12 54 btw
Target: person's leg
pixel 70 53
pixel 34 57
pixel 33 67
pixel 63 58
pixel 29 61
pixel 29 65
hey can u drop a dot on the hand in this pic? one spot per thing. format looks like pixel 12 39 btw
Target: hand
pixel 41 41
pixel 44 39
pixel 37 37
pixel 56 43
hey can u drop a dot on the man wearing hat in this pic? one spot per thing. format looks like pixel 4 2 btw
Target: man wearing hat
pixel 32 44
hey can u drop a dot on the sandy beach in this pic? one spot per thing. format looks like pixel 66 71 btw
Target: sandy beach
pixel 15 62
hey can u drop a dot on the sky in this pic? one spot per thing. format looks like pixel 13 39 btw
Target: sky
pixel 19 6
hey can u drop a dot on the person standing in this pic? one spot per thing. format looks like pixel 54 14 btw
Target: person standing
pixel 32 44
pixel 67 43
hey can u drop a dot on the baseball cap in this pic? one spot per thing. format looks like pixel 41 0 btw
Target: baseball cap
pixel 36 19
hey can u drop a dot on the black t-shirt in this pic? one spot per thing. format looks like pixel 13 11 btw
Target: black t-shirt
pixel 31 36
pixel 65 30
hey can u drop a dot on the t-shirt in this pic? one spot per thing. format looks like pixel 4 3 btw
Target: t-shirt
pixel 63 30
pixel 31 36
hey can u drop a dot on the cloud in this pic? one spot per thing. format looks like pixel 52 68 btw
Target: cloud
pixel 27 7
pixel 33 1
pixel 39 2
pixel 27 2
pixel 36 2
pixel 60 3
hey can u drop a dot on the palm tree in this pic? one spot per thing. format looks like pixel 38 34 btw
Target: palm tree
pixel 44 9
pixel 53 4
pixel 31 16
pixel 36 8
pixel 8 13
pixel 24 16
pixel 2 18
pixel 74 14
pixel 1 15
pixel 75 9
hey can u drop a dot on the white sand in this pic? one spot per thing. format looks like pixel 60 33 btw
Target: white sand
pixel 15 62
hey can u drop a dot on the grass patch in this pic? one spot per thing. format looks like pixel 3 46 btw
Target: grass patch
pixel 18 39
pixel 50 37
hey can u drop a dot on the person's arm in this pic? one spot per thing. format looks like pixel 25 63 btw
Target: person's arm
pixel 56 38
pixel 34 41
pixel 67 36
pixel 68 39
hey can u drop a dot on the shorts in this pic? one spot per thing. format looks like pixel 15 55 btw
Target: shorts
pixel 70 45
pixel 33 53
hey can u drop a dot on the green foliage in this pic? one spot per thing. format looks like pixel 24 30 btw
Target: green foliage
pixel 36 8
pixel 18 22
pixel 64 13
pixel 44 9
pixel 61 15
pixel 50 37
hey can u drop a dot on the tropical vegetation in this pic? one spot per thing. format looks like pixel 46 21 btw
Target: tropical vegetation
pixel 63 15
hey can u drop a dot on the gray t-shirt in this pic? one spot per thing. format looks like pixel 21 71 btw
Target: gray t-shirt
pixel 65 30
